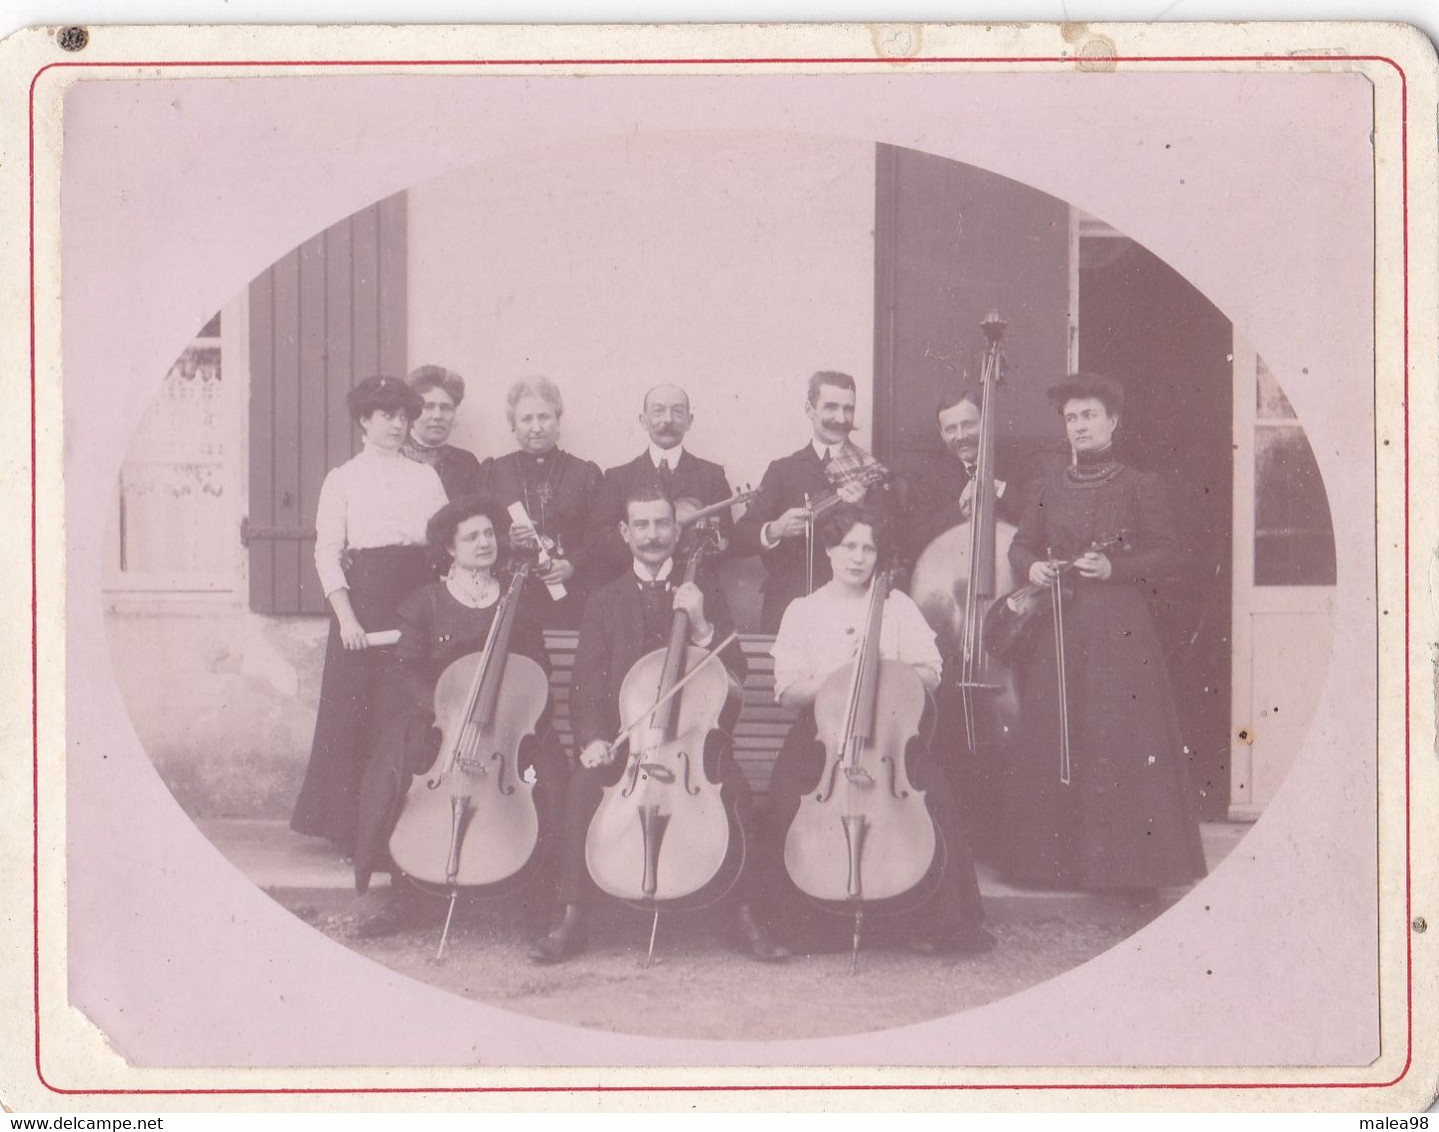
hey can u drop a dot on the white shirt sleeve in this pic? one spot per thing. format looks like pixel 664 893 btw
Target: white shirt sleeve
pixel 433 496
pixel 791 649
pixel 914 641
pixel 330 532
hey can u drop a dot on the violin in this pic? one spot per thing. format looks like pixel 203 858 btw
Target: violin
pixel 471 820
pixel 958 576
pixel 865 834
pixel 662 831
pixel 853 465
pixel 1012 622
pixel 690 512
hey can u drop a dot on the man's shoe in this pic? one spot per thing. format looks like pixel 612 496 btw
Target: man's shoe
pixel 753 940
pixel 565 939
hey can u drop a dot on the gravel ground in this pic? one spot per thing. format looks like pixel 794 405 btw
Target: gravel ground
pixel 697 987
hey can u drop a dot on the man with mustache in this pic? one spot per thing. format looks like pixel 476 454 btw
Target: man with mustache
pixel 776 524
pixel 666 417
pixel 937 490
pixel 934 493
pixel 624 620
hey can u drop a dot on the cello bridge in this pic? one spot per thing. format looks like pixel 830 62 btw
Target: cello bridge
pixel 472 764
pixel 858 776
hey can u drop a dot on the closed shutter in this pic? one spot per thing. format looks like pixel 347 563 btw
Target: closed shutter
pixel 325 317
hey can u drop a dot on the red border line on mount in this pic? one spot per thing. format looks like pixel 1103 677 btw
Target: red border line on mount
pixel 1051 59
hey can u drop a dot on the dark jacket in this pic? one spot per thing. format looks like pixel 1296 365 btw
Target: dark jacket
pixel 606 553
pixel 786 483
pixel 612 638
pixel 927 490
pixel 459 470
pixel 558 491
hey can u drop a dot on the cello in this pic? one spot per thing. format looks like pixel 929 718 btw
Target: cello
pixel 960 574
pixel 866 833
pixel 471 821
pixel 662 832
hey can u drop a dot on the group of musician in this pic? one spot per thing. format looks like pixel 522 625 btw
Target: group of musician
pixel 416 535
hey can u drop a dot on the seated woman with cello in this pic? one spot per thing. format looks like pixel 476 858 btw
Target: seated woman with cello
pixel 851 624
pixel 441 624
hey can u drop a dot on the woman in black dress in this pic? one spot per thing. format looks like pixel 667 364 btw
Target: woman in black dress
pixel 370 556
pixel 1125 819
pixel 439 624
pixel 557 491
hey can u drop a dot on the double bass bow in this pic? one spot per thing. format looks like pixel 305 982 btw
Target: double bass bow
pixel 866 833
pixel 662 832
pixel 958 577
pixel 471 820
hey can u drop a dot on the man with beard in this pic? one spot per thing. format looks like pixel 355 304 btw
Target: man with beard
pixel 441 392
pixel 778 525
pixel 666 417
pixel 623 621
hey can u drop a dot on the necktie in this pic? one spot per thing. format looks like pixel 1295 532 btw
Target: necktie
pixel 827 457
pixel 665 471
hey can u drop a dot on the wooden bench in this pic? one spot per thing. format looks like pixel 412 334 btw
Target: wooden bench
pixel 762 725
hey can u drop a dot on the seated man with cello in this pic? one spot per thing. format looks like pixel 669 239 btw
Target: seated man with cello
pixel 851 624
pixel 442 625
pixel 625 624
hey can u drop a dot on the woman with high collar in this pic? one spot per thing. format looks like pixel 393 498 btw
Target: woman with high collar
pixel 557 491
pixel 370 555
pixel 440 391
pixel 1114 809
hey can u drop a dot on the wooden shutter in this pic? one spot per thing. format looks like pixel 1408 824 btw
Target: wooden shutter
pixel 951 242
pixel 325 317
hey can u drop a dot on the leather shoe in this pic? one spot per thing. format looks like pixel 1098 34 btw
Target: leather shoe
pixel 976 941
pixel 752 940
pixel 566 938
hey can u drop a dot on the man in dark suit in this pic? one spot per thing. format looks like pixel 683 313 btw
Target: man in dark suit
pixel 777 524
pixel 622 621
pixel 666 417
pixel 441 392
pixel 934 494
pixel 934 489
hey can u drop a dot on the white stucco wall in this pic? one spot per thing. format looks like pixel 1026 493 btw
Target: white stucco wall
pixel 733 263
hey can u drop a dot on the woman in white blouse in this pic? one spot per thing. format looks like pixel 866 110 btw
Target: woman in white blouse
pixel 370 556
pixel 819 634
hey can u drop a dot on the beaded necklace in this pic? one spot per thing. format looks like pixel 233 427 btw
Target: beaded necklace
pixel 1093 467
pixel 474 588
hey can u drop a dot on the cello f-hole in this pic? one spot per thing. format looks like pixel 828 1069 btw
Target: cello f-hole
pixel 828 792
pixel 685 758
pixel 505 790
pixel 893 767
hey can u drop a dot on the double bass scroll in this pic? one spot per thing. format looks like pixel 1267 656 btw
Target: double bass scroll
pixel 960 575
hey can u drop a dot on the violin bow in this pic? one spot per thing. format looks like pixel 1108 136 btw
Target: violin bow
pixel 624 736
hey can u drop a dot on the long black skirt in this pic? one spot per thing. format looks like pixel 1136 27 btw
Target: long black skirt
pixel 1127 817
pixel 379 580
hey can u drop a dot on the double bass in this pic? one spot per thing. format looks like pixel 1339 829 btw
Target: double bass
pixel 471 820
pixel 662 832
pixel 959 576
pixel 866 833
